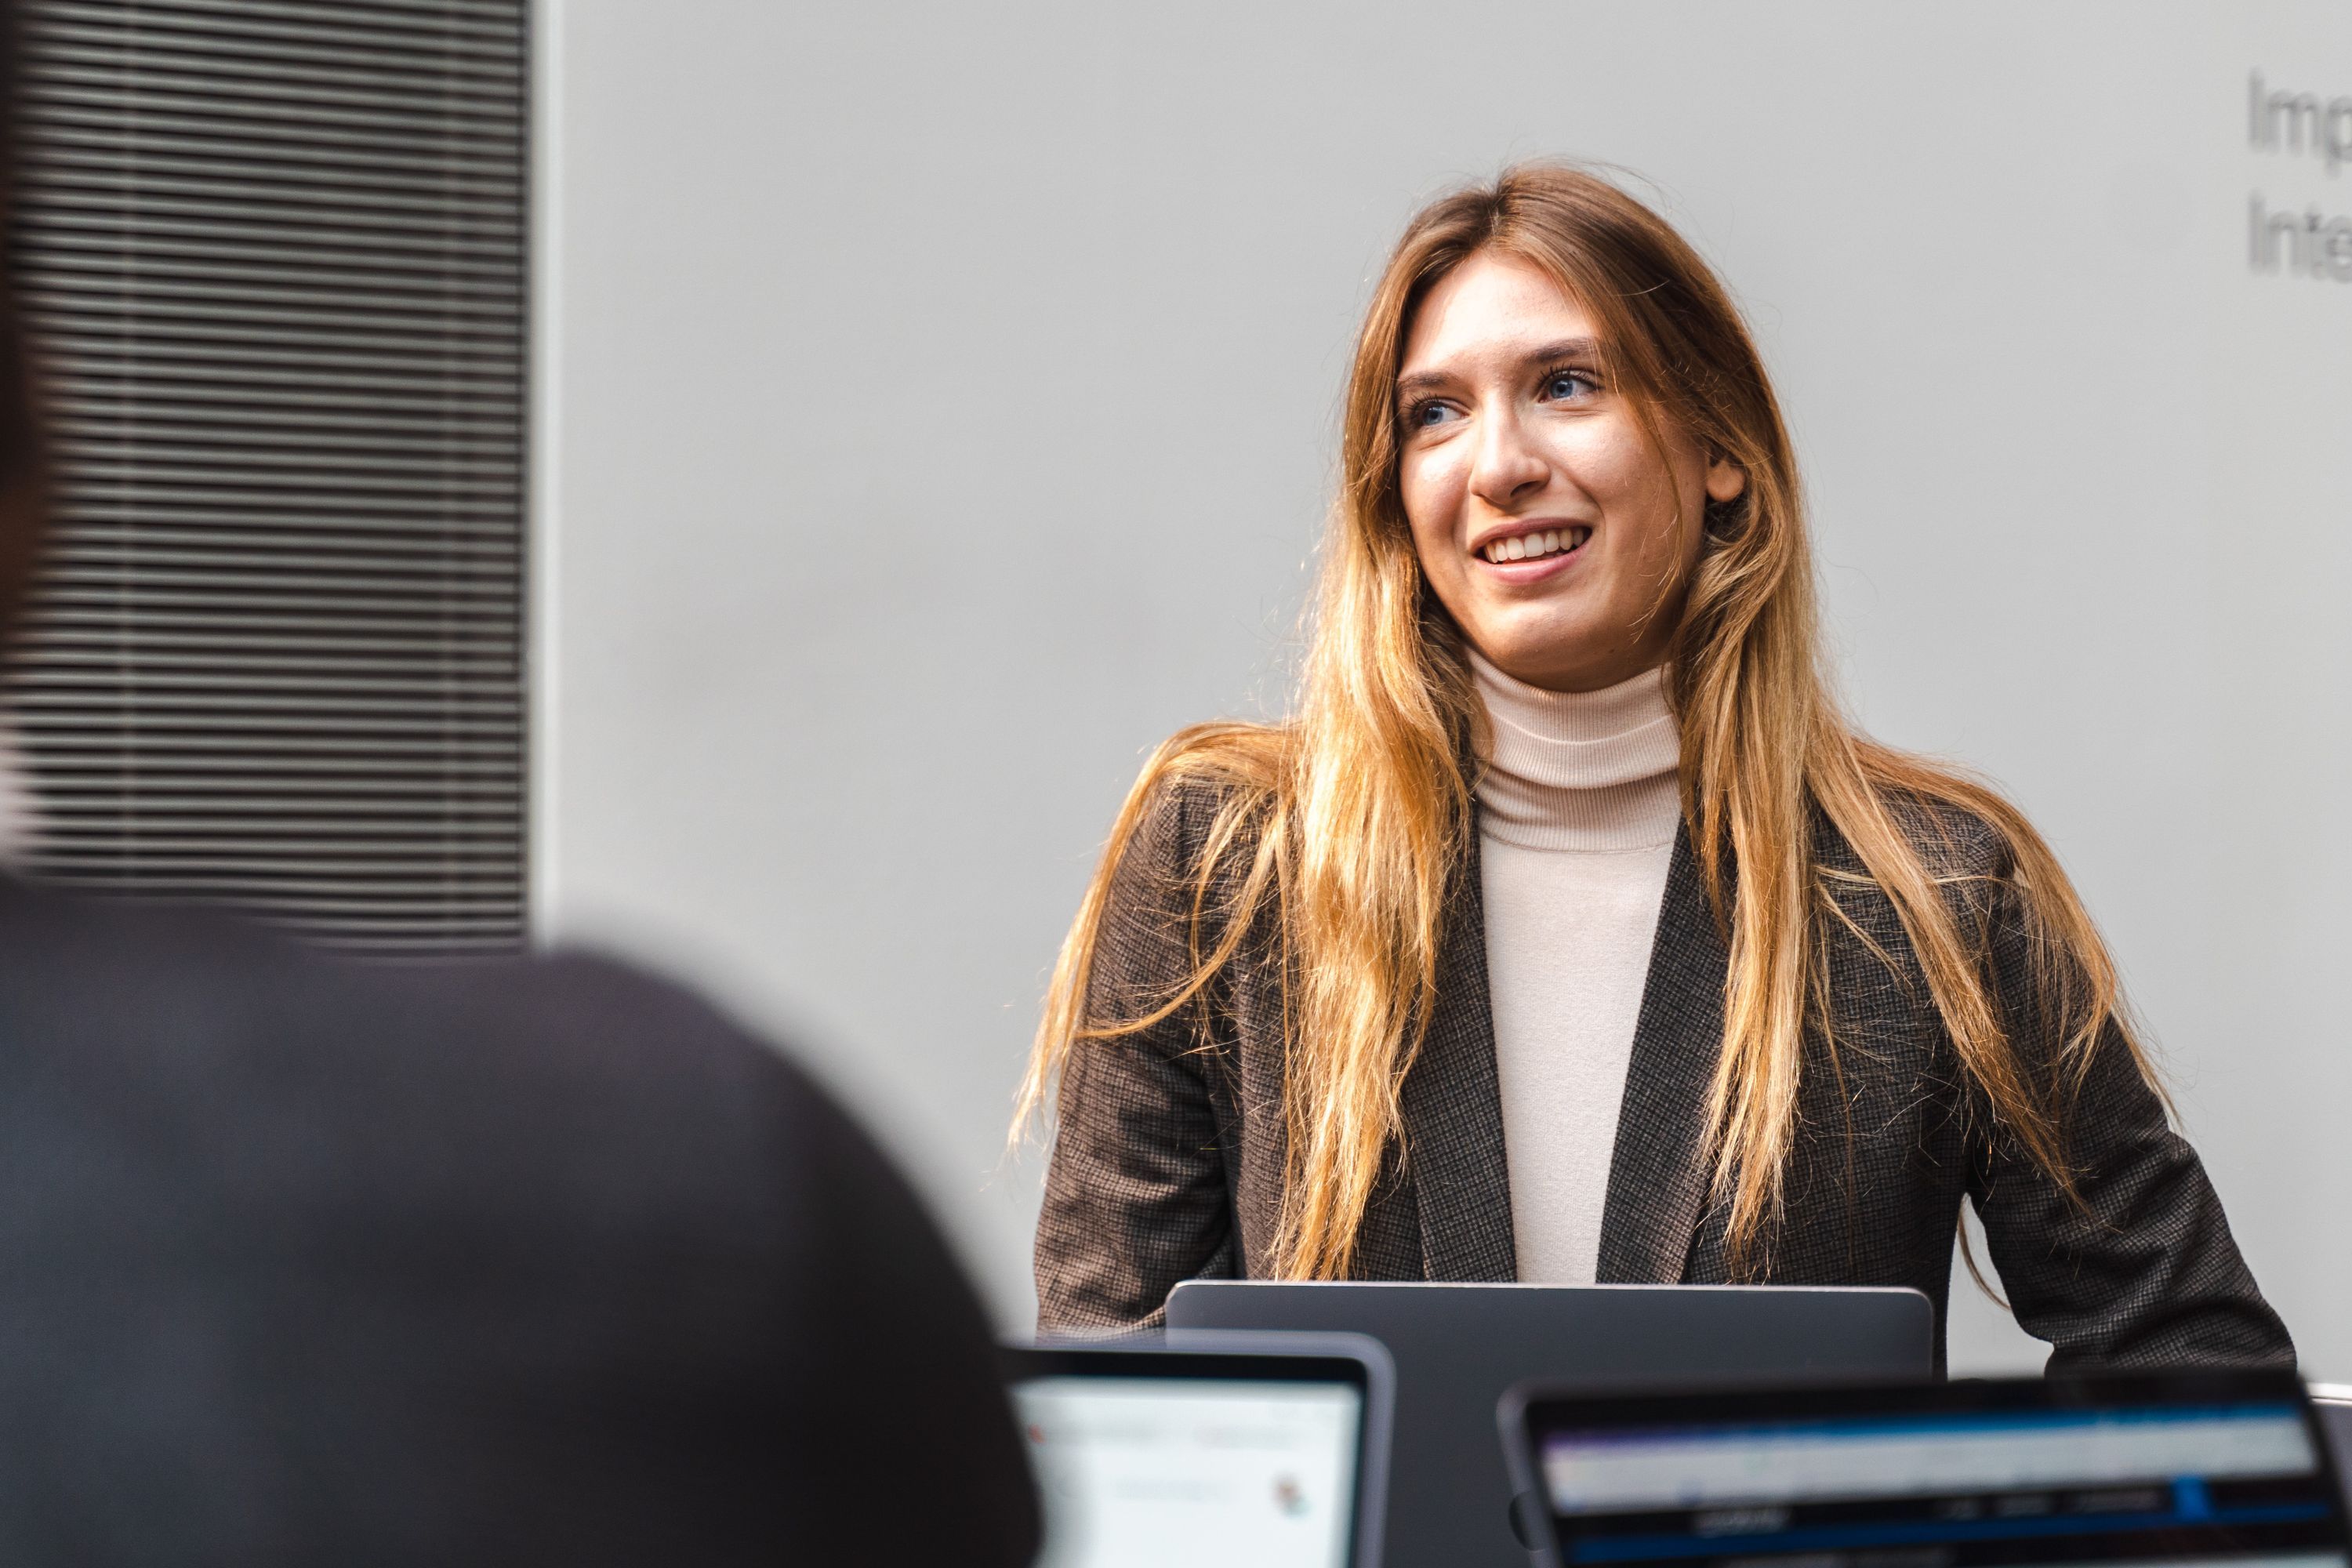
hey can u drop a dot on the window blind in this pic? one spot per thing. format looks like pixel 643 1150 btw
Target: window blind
pixel 274 255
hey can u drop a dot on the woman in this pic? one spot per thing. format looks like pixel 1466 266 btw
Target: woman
pixel 1569 932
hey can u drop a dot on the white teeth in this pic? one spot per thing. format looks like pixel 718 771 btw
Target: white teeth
pixel 1534 546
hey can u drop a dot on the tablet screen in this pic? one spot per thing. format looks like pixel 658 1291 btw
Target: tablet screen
pixel 1242 1473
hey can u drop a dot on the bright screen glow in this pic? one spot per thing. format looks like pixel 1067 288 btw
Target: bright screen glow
pixel 1881 1457
pixel 1146 1471
pixel 2173 1486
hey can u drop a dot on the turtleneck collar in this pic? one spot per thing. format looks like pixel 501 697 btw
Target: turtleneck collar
pixel 1579 770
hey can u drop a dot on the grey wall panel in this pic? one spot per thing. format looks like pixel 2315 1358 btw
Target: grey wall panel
pixel 946 415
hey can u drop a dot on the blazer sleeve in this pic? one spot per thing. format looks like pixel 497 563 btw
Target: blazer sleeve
pixel 1137 1196
pixel 2144 1272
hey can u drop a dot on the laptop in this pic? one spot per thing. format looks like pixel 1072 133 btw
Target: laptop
pixel 2333 1401
pixel 1458 1347
pixel 2149 1470
pixel 1246 1450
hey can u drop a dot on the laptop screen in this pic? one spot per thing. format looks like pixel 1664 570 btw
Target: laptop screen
pixel 1146 1458
pixel 2169 1471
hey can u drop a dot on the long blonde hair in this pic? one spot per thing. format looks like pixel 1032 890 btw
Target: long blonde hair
pixel 1355 816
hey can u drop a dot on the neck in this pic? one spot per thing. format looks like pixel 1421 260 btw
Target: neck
pixel 1579 770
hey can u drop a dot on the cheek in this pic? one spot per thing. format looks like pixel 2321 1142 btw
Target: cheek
pixel 1634 490
pixel 1431 487
pixel 1613 467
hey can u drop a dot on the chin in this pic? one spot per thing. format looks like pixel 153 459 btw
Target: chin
pixel 1539 653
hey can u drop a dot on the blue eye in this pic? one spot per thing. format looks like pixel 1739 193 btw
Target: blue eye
pixel 1564 386
pixel 1422 415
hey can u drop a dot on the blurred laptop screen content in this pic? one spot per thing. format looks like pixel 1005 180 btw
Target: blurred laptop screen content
pixel 1149 1457
pixel 2141 1470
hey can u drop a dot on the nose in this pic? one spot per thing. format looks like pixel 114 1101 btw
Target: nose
pixel 1505 470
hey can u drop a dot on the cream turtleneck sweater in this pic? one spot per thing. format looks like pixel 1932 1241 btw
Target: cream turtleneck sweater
pixel 1577 809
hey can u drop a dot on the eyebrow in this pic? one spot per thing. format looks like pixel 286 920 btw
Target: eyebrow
pixel 1561 349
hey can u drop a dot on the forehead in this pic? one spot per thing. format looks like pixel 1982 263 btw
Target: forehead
pixel 1491 310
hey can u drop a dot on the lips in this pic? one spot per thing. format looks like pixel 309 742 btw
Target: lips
pixel 1536 544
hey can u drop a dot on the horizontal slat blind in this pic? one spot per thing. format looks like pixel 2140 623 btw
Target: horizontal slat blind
pixel 274 255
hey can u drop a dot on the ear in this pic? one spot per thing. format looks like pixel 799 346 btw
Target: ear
pixel 1726 480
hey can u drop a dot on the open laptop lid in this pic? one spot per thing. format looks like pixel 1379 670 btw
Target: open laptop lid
pixel 2146 1470
pixel 1458 1347
pixel 1250 1450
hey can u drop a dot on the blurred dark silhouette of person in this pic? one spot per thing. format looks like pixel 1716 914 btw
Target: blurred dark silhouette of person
pixel 302 1261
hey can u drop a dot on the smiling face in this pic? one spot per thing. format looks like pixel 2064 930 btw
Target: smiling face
pixel 1556 534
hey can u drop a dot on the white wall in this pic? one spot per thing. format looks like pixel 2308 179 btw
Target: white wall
pixel 938 410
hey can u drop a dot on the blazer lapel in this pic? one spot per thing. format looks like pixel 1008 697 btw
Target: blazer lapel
pixel 1658 1185
pixel 1454 1109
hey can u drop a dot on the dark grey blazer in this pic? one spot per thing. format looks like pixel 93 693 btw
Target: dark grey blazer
pixel 1168 1161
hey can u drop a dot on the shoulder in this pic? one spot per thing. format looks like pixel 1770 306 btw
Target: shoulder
pixel 1204 796
pixel 1954 834
pixel 1960 831
pixel 452 1208
pixel 1958 835
pixel 239 1038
